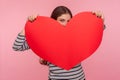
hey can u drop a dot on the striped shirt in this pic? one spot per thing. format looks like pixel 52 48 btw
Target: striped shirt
pixel 55 72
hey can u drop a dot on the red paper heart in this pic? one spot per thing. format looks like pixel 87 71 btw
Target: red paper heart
pixel 65 46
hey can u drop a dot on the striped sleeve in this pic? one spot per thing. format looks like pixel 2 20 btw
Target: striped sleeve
pixel 20 43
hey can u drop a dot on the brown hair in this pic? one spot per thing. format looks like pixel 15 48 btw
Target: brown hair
pixel 58 11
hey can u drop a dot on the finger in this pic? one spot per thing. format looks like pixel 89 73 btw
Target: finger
pixel 93 12
pixel 30 18
pixel 103 18
pixel 35 16
pixel 99 15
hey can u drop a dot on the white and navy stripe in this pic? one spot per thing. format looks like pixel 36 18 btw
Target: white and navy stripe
pixel 55 73
pixel 20 43
pixel 76 73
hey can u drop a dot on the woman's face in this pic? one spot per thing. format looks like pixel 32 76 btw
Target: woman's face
pixel 64 19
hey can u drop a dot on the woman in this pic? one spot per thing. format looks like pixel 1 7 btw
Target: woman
pixel 61 14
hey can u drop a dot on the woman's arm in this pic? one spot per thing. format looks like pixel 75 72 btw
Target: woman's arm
pixel 20 43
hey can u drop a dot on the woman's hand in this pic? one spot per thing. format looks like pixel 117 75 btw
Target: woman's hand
pixel 32 18
pixel 22 32
pixel 43 62
pixel 98 14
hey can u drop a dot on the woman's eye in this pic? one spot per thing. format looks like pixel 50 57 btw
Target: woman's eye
pixel 62 20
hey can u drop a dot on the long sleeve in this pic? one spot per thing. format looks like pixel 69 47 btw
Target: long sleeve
pixel 20 43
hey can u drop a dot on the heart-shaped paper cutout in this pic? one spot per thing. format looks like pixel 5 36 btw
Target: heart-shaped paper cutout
pixel 65 46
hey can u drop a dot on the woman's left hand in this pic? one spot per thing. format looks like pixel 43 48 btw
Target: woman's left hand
pixel 98 14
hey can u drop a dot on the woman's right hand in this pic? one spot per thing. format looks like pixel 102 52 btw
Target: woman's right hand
pixel 22 32
pixel 43 62
pixel 32 18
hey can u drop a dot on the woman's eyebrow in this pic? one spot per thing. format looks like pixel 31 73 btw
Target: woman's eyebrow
pixel 60 18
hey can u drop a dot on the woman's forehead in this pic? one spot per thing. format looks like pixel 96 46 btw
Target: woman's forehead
pixel 65 16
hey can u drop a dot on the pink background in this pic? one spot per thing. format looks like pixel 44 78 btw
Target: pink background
pixel 103 65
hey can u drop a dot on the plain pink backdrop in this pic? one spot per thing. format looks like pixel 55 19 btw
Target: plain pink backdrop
pixel 103 65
